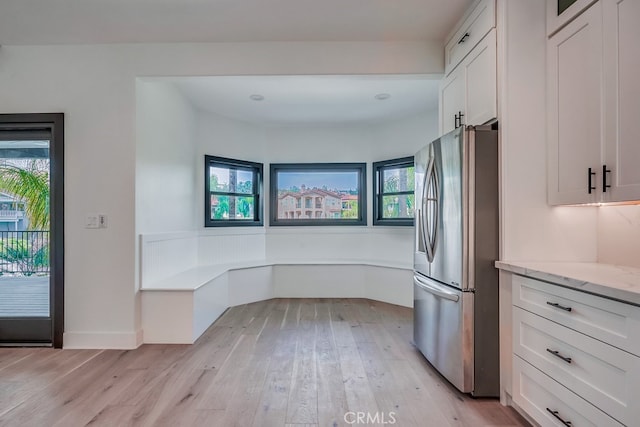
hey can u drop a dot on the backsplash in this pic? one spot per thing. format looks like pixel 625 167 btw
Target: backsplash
pixel 619 235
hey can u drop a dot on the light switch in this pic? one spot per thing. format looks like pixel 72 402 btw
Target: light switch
pixel 91 221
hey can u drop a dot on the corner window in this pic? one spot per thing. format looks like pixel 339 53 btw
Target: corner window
pixel 394 184
pixel 233 192
pixel 318 194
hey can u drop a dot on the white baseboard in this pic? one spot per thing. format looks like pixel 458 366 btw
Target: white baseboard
pixel 102 340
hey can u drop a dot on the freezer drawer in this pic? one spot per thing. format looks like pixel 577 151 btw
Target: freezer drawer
pixel 443 330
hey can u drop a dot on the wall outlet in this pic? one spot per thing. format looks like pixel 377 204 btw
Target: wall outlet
pixel 102 221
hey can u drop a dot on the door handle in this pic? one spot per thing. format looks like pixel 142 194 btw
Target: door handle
pixel 591 187
pixel 605 171
pixel 437 290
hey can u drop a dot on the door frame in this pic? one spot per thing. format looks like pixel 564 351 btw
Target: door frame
pixel 54 122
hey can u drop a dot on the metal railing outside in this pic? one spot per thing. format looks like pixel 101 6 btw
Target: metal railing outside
pixel 24 252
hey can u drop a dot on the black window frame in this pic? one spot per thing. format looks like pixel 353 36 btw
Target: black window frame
pixel 258 172
pixel 378 168
pixel 360 168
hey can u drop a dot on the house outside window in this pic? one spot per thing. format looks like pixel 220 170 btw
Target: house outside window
pixel 233 192
pixel 318 194
pixel 394 185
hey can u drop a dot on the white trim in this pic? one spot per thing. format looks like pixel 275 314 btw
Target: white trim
pixel 102 340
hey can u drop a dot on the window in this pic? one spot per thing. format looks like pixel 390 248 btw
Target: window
pixel 394 183
pixel 318 194
pixel 233 192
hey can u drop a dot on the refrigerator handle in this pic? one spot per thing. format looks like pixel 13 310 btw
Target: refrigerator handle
pixel 424 220
pixel 430 216
pixel 437 290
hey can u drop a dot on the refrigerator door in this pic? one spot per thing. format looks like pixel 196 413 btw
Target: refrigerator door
pixel 443 329
pixel 449 252
pixel 423 159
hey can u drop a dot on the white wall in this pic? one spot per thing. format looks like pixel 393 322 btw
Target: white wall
pixel 619 235
pixel 165 159
pixel 363 142
pixel 532 230
pixel 95 86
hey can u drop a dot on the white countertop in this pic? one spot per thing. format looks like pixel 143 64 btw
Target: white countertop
pixel 611 281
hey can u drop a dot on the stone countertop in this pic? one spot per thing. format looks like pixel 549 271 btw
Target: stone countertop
pixel 611 281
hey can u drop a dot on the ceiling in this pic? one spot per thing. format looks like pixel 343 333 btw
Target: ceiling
pixel 151 21
pixel 311 100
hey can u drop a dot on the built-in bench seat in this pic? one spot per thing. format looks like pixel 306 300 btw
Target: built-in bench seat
pixel 179 305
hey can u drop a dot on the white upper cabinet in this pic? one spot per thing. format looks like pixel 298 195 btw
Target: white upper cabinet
pixel 481 82
pixel 477 23
pixel 574 58
pixel 452 102
pixel 621 100
pixel 593 92
pixel 560 12
pixel 468 93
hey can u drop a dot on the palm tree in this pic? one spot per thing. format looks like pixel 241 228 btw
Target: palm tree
pixel 31 185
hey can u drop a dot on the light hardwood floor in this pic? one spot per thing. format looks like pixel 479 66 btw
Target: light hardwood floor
pixel 281 362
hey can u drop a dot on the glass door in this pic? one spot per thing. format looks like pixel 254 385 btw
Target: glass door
pixel 28 286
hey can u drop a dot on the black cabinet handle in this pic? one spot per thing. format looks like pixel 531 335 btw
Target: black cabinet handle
pixel 556 305
pixel 591 187
pixel 464 38
pixel 605 171
pixel 555 414
pixel 557 354
pixel 455 121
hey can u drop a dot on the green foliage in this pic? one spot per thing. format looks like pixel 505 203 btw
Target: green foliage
pixel 24 256
pixel 221 211
pixel 349 209
pixel 404 180
pixel 30 185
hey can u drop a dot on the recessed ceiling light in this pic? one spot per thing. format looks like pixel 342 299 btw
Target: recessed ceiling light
pixel 382 96
pixel 256 97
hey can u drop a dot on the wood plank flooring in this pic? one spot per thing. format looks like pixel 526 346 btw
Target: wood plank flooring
pixel 281 362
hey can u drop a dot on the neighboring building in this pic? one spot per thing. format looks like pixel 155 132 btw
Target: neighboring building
pixel 12 217
pixel 309 204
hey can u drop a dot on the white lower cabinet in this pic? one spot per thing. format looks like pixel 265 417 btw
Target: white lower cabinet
pixel 565 367
pixel 551 404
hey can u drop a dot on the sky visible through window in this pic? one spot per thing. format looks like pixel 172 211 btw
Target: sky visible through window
pixel 340 181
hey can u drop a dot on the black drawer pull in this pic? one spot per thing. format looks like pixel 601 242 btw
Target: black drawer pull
pixel 557 354
pixel 556 305
pixel 464 38
pixel 555 414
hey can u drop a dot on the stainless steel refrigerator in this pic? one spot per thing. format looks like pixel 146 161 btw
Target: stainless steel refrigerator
pixel 456 245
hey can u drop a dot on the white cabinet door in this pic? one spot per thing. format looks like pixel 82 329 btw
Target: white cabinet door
pixel 622 100
pixel 452 90
pixel 559 12
pixel 574 60
pixel 471 88
pixel 481 91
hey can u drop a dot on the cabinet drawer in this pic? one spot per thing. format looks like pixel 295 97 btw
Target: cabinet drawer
pixel 473 29
pixel 613 322
pixel 538 395
pixel 607 377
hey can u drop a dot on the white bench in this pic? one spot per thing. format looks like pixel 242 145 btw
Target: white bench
pixel 179 305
